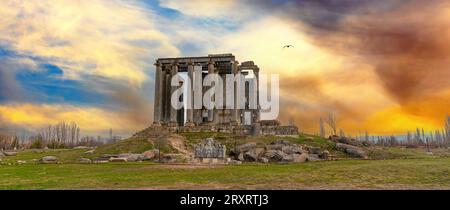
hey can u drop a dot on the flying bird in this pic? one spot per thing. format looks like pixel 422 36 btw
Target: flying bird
pixel 288 46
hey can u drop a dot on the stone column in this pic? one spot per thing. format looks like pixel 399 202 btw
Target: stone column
pixel 166 102
pixel 211 70
pixel 198 77
pixel 258 110
pixel 173 111
pixel 235 113
pixel 158 101
pixel 190 96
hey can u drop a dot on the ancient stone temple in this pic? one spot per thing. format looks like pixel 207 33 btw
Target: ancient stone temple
pixel 244 120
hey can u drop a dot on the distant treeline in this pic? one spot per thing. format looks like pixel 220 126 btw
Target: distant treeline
pixel 58 136
pixel 420 137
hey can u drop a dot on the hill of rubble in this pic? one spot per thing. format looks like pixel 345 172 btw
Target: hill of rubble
pixel 245 148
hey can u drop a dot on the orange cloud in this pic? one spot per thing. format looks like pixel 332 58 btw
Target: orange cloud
pixel 91 120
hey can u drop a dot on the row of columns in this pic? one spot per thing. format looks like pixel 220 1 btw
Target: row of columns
pixel 163 111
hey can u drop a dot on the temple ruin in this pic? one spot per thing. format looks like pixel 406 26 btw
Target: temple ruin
pixel 244 121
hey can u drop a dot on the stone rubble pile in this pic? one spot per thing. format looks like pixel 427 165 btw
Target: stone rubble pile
pixel 350 141
pixel 48 159
pixel 279 151
pixel 352 150
pixel 351 146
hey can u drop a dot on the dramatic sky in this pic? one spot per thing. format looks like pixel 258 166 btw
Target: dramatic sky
pixel 381 66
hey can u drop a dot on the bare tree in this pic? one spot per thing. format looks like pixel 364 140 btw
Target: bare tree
pixel 447 129
pixel 409 137
pixel 331 121
pixel 366 136
pixel 61 135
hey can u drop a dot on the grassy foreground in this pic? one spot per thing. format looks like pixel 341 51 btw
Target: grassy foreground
pixel 424 173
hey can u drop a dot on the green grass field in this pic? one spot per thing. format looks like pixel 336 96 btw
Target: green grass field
pixel 424 173
pixel 389 168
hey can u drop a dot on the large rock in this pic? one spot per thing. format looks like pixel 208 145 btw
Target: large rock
pixel 251 156
pixel 9 153
pixel 85 160
pixel 245 147
pixel 260 151
pixel 288 158
pixel 241 157
pixel 151 154
pixel 300 158
pixel 314 150
pixel 274 147
pixel 325 155
pixel 287 149
pixel 275 155
pixel 109 156
pixel 263 160
pixel 89 152
pixel 49 159
pixel 118 159
pixel 313 157
pixel 351 150
pixel 101 160
pixel 297 150
pixel 345 140
pixel 135 157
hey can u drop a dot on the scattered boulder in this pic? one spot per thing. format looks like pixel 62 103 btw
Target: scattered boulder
pixel 351 150
pixel 21 161
pixel 109 156
pixel 100 160
pixel 49 159
pixel 263 160
pixel 81 147
pixel 9 153
pixel 274 147
pixel 245 147
pixel 314 150
pixel 89 152
pixel 345 140
pixel 85 160
pixel 300 158
pixel 117 159
pixel 367 143
pixel 297 150
pixel 150 154
pixel 287 149
pixel 250 156
pixel 275 155
pixel 135 157
pixel 313 157
pixel 325 155
pixel 241 157
pixel 287 158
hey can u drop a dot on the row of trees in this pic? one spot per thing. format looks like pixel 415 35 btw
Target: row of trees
pixel 60 135
pixel 437 138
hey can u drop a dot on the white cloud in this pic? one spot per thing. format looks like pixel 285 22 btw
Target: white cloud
pixel 112 39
